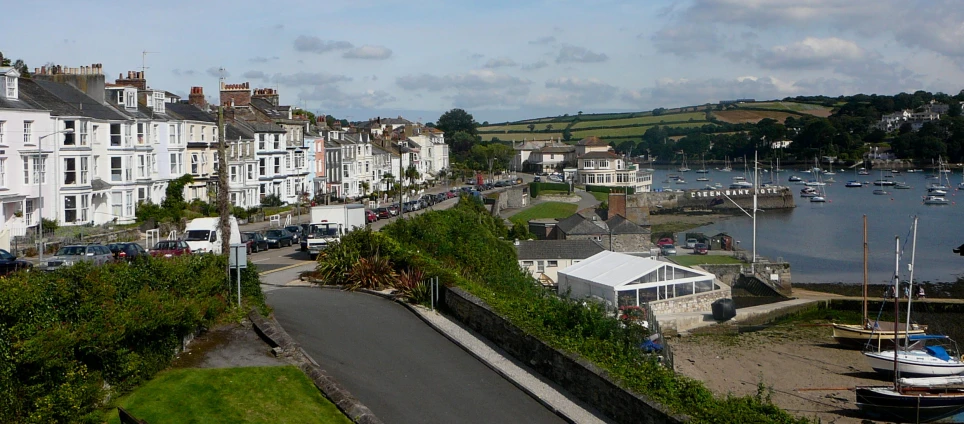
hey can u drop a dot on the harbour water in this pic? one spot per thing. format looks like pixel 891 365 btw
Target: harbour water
pixel 823 242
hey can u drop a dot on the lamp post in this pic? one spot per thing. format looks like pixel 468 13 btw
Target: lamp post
pixel 39 176
pixel 401 180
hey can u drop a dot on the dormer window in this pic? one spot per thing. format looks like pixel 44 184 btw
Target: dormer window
pixel 130 98
pixel 10 84
pixel 159 102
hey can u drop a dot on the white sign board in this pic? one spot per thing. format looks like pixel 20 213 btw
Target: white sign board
pixel 239 256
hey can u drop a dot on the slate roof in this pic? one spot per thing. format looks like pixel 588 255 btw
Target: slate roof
pixel 65 100
pixel 578 225
pixel 265 128
pixel 267 108
pixel 557 249
pixel 557 149
pixel 189 112
pixel 21 102
pixel 233 131
pixel 592 141
pixel 620 225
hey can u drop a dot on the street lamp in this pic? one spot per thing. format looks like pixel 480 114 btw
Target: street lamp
pixel 40 208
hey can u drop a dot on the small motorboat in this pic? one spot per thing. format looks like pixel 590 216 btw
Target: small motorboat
pixel 902 185
pixel 880 191
pixel 809 192
pixel 936 200
pixel 818 199
pixel 795 179
pixel 853 183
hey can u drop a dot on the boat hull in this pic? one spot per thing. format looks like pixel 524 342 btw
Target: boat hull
pixel 856 336
pixel 909 405
pixel 913 364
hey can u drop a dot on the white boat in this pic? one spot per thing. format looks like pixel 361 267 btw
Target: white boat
pixel 726 165
pixel 880 191
pixel 922 361
pixel 741 184
pixel 818 199
pixel 863 171
pixel 808 192
pixel 795 179
pixel 701 178
pixel 952 380
pixel 902 186
pixel 683 167
pixel 853 183
pixel 814 183
pixel 936 200
pixel 934 191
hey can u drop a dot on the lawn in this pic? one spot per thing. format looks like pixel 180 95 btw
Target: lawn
pixel 602 197
pixel 686 259
pixel 631 131
pixel 544 210
pixel 529 136
pixel 230 395
pixel 808 108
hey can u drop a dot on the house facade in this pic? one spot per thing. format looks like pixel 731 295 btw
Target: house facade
pixel 544 258
pixel 598 164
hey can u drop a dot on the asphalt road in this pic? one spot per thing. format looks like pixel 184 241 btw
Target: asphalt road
pixel 395 364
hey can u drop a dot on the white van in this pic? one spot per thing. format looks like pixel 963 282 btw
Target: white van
pixel 204 235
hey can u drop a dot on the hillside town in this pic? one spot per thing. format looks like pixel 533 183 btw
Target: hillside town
pixel 81 150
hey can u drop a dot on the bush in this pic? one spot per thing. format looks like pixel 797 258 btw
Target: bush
pixel 71 338
pixel 49 225
pixel 271 200
pixel 239 212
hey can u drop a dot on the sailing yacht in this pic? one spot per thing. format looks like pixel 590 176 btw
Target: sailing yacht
pixel 726 165
pixel 683 167
pixel 703 169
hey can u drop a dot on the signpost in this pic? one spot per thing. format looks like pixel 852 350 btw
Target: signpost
pixel 238 259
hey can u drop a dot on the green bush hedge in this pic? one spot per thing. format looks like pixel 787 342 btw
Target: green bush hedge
pixel 72 338
pixel 607 189
pixel 535 188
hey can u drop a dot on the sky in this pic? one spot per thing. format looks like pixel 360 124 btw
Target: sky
pixel 505 60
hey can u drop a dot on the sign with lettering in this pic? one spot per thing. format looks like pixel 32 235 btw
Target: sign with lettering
pixel 738 192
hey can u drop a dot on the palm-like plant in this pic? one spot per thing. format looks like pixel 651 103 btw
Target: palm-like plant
pixel 412 174
pixel 365 186
pixel 372 273
pixel 411 284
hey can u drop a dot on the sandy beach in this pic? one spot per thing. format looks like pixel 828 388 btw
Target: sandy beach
pixel 791 360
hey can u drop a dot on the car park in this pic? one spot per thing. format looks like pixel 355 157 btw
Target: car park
pixel 701 249
pixel 127 251
pixel 9 263
pixel 279 238
pixel 664 241
pixel 668 250
pixel 255 241
pixel 370 216
pixel 691 243
pixel 170 248
pixel 97 254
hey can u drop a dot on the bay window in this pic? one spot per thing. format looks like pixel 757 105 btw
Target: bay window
pixel 116 168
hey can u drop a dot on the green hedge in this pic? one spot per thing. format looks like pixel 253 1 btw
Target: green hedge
pixel 72 338
pixel 607 189
pixel 535 188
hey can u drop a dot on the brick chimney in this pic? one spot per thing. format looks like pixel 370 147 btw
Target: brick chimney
pixel 617 204
pixel 235 94
pixel 269 94
pixel 196 98
pixel 89 79
pixel 134 79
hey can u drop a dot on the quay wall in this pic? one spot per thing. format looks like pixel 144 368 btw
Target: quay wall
pixel 722 199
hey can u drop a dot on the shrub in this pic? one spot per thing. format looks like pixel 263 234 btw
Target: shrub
pixel 271 200
pixel 49 225
pixel 72 337
pixel 239 212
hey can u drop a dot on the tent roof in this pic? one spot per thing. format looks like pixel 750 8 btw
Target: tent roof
pixel 616 269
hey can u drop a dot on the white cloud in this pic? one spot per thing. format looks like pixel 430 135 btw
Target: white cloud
pixel 579 92
pixel 812 53
pixel 332 97
pixel 255 75
pixel 262 59
pixel 543 40
pixel 499 62
pixel 537 65
pixel 687 39
pixel 368 52
pixel 575 54
pixel 183 72
pixel 215 71
pixel 473 89
pixel 312 44
pixel 683 92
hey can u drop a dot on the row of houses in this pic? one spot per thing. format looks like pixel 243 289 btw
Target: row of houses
pixel 928 113
pixel 79 150
pixel 595 163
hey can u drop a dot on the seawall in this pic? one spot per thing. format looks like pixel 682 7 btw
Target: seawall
pixel 722 199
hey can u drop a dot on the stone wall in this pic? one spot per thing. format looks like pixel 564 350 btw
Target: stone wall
pixel 727 274
pixel 767 198
pixel 575 374
pixel 700 302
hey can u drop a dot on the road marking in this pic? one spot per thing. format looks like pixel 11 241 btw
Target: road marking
pixel 302 263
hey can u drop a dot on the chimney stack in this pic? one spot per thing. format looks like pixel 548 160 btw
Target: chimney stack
pixel 196 98
pixel 236 94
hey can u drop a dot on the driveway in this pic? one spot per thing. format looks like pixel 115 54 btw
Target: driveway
pixel 400 368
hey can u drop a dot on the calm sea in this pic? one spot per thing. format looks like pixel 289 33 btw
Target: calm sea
pixel 823 242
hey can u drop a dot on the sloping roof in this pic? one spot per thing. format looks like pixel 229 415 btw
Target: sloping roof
pixel 189 112
pixel 233 131
pixel 578 225
pixel 620 225
pixel 592 141
pixel 65 100
pixel 265 128
pixel 557 249
pixel 600 155
pixel 614 269
pixel 267 108
pixel 557 149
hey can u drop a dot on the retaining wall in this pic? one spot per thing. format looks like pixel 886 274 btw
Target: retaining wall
pixel 575 374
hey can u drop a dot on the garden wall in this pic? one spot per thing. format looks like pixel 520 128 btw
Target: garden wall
pixel 575 374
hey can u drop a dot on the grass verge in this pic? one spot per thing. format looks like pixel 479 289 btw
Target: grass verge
pixel 229 395
pixel 544 210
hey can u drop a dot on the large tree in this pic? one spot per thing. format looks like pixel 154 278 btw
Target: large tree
pixel 458 121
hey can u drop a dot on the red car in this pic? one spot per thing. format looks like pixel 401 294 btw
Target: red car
pixel 664 241
pixel 370 216
pixel 701 249
pixel 169 248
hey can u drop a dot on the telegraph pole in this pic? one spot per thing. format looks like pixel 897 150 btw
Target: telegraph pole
pixel 223 210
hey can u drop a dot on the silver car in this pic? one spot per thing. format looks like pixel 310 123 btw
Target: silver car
pixel 69 255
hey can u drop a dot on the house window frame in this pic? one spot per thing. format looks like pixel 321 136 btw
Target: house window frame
pixel 75 210
pixel 68 172
pixel 115 137
pixel 27 132
pixel 117 172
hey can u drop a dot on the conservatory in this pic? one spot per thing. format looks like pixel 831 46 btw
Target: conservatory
pixel 619 280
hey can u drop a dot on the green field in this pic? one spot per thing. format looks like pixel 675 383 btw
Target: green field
pixel 791 106
pixel 686 259
pixel 523 136
pixel 641 120
pixel 629 131
pixel 556 210
pixel 229 395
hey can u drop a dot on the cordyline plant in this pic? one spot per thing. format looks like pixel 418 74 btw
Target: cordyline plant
pixel 374 273
pixel 411 284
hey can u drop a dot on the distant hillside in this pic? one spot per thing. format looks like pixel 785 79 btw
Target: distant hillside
pixel 632 125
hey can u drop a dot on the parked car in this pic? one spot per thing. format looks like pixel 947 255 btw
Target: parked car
pixel 537 179
pixel 370 216
pixel 9 263
pixel 383 213
pixel 296 232
pixel 668 250
pixel 279 238
pixel 664 241
pixel 98 254
pixel 691 243
pixel 701 249
pixel 127 251
pixel 256 242
pixel 170 248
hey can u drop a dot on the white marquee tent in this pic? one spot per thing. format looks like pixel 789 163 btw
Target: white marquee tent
pixel 626 280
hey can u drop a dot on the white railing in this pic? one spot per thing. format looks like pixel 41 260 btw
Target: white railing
pixel 288 220
pixel 172 235
pixel 151 237
pixel 274 219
